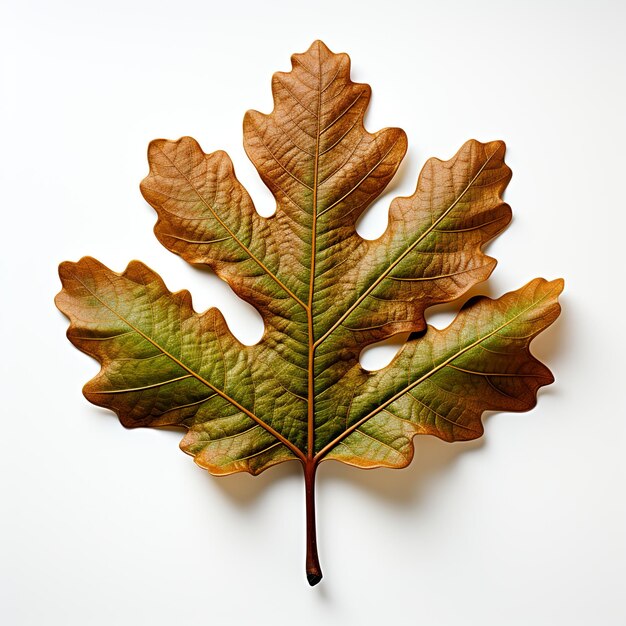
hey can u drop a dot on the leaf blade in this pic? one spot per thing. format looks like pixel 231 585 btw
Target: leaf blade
pixel 462 371
pixel 123 300
pixel 324 293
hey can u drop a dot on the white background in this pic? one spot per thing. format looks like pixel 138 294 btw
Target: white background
pixel 103 526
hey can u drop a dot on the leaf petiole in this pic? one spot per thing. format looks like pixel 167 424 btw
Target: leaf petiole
pixel 313 569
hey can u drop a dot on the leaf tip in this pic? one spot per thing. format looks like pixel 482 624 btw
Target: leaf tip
pixel 559 284
pixel 548 287
pixel 64 268
pixel 318 46
pixel 69 269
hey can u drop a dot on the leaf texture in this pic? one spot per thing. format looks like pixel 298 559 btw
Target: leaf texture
pixel 323 291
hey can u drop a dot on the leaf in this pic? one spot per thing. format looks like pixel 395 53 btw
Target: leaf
pixel 323 291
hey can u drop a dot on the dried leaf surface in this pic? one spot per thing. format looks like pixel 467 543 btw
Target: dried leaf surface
pixel 323 291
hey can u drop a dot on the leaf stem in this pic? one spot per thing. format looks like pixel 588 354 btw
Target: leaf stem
pixel 313 569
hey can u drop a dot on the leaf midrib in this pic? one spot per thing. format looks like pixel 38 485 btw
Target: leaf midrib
pixel 310 452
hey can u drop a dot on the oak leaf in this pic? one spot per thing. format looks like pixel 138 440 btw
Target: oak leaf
pixel 300 394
